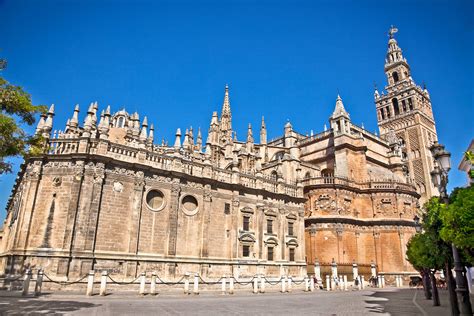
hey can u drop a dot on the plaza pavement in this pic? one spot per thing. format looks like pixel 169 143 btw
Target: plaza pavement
pixel 404 302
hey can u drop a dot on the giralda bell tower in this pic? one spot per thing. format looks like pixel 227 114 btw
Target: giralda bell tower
pixel 404 111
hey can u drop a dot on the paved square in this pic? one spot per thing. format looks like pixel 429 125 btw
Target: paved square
pixel 380 302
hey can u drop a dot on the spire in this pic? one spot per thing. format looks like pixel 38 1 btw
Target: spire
pixel 212 136
pixel 186 140
pixel 177 142
pixel 150 135
pixel 40 126
pixel 263 132
pixel 191 137
pixel 199 140
pixel 48 125
pixel 249 134
pixel 339 120
pixel 74 122
pixel 394 52
pixel 143 135
pixel 339 109
pixel 226 116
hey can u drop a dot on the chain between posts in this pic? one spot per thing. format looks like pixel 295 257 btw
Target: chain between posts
pixel 272 283
pixel 170 283
pixel 243 283
pixel 65 282
pixel 122 282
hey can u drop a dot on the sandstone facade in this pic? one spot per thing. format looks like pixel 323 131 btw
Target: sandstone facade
pixel 105 196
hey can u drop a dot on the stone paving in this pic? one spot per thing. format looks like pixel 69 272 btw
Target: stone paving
pixel 367 302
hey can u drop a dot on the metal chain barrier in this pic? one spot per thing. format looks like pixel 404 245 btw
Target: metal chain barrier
pixel 297 283
pixel 170 283
pixel 122 282
pixel 243 283
pixel 210 282
pixel 65 282
pixel 272 283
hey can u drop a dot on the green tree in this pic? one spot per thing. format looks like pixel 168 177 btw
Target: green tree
pixel 15 106
pixel 427 252
pixel 458 222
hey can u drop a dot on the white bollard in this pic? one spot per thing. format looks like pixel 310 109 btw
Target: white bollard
pixel 311 284
pixel 283 284
pixel 90 283
pixel 26 282
pixel 223 284
pixel 255 284
pixel 153 284
pixel 186 283
pixel 359 282
pixel 345 282
pixel 103 283
pixel 341 283
pixel 306 283
pixel 39 282
pixel 383 281
pixel 231 285
pixel 262 284
pixel 355 271
pixel 141 291
pixel 328 283
pixel 196 284
pixel 289 284
pixel 362 281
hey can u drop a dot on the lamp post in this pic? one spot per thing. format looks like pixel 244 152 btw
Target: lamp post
pixel 439 176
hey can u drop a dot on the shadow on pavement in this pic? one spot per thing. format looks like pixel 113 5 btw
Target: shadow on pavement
pixel 33 306
pixel 399 302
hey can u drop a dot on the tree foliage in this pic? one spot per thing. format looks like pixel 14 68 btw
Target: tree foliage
pixel 16 105
pixel 458 221
pixel 427 249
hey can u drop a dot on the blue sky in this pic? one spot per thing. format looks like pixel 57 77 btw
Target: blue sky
pixel 285 60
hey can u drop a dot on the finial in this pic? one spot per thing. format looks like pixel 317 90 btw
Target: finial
pixel 392 31
pixel 51 109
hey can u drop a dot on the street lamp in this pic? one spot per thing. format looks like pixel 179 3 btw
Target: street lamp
pixel 439 176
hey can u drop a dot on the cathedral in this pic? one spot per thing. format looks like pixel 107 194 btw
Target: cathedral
pixel 105 196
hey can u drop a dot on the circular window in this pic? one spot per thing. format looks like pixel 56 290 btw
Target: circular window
pixel 189 205
pixel 155 200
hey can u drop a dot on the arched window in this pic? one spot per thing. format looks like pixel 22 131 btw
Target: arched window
pixel 278 155
pixel 396 109
pixel 307 175
pixel 328 175
pixel 120 121
pixel 274 175
pixel 395 76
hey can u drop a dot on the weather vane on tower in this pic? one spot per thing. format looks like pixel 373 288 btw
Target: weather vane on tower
pixel 392 31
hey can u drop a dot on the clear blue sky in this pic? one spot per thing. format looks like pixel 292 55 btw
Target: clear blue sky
pixel 285 60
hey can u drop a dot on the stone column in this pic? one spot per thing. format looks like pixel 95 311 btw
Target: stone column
pixel 173 218
pixel 136 209
pixel 206 219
